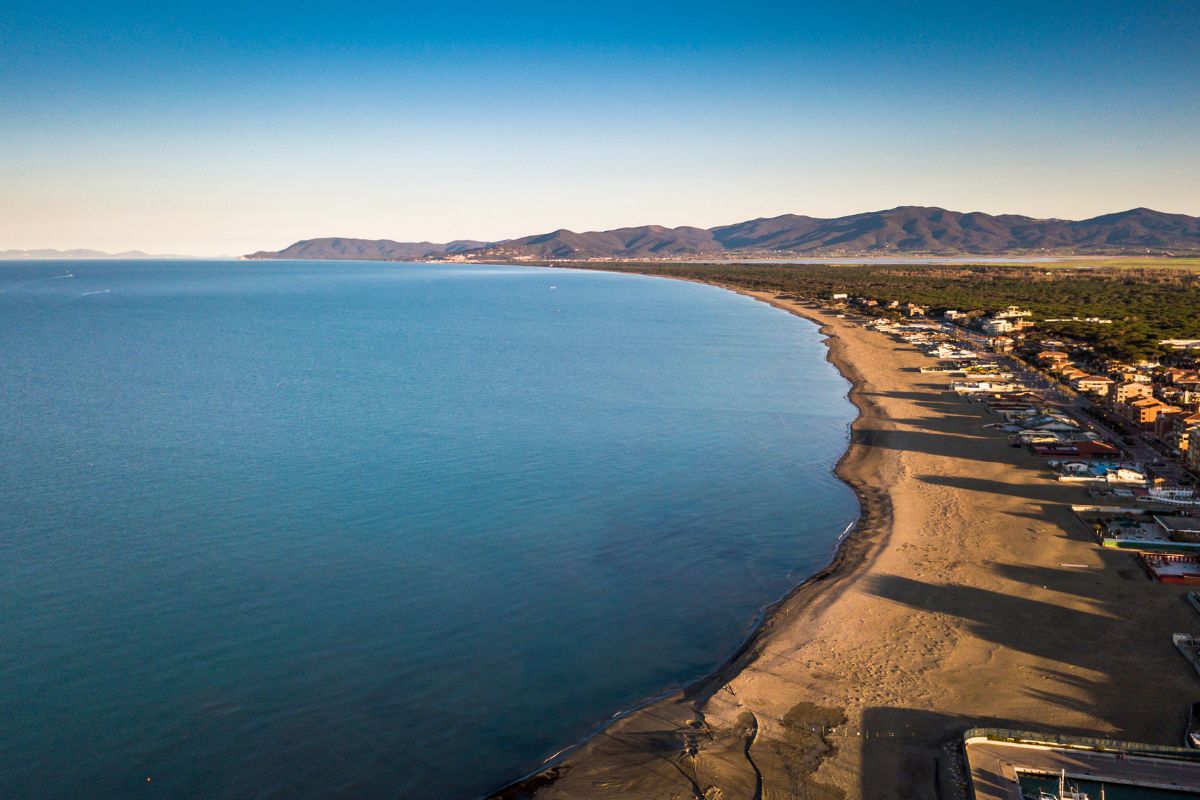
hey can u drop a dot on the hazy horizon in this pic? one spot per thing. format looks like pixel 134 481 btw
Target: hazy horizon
pixel 214 129
pixel 137 252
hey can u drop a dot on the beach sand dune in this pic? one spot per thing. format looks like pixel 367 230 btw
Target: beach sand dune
pixel 952 605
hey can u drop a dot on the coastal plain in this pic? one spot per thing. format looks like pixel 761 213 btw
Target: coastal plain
pixel 967 595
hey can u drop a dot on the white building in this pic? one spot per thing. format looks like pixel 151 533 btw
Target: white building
pixel 998 325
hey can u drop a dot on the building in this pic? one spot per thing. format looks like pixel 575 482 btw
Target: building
pixel 1003 764
pixel 1186 385
pixel 1145 411
pixel 1092 384
pixel 1184 425
pixel 1002 344
pixel 1193 450
pixel 1175 375
pixel 1052 357
pixel 1127 390
pixel 1179 528
pixel 1165 422
pixel 998 325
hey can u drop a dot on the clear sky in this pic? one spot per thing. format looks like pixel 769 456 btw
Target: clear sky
pixel 220 128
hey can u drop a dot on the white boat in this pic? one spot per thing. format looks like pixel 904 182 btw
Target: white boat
pixel 1065 791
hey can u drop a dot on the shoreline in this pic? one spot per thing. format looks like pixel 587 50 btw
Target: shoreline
pixel 865 534
pixel 874 507
pixel 942 608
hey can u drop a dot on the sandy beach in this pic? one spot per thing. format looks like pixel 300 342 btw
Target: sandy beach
pixel 968 595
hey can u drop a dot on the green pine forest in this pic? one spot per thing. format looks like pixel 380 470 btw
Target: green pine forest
pixel 1146 304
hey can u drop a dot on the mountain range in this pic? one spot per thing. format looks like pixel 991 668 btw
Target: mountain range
pixel 370 249
pixel 906 230
pixel 46 254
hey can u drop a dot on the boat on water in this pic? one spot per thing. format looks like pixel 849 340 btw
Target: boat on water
pixel 1066 791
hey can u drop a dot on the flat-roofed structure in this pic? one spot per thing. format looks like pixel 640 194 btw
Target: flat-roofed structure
pixel 1180 526
pixel 998 760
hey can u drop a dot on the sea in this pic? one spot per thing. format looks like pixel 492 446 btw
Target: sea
pixel 289 529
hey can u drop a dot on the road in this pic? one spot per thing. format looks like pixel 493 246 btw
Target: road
pixel 1151 453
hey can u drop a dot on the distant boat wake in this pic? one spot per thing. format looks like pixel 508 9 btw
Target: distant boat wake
pixel 38 280
pixel 85 294
pixel 81 296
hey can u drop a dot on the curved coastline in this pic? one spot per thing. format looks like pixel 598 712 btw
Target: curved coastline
pixel 946 608
pixel 852 555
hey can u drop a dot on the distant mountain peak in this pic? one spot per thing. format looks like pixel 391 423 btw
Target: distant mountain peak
pixel 348 249
pixel 915 230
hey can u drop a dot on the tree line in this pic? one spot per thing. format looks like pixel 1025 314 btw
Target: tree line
pixel 1145 304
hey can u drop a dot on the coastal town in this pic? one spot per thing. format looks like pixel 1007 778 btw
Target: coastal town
pixel 1139 421
pixel 600 401
pixel 1012 615
pixel 1127 433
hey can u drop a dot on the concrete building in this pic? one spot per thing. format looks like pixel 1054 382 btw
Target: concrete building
pixel 1127 390
pixel 1145 411
pixel 1184 425
pixel 1092 384
pixel 998 325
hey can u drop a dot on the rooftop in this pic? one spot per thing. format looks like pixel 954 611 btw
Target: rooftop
pixel 998 761
pixel 1179 524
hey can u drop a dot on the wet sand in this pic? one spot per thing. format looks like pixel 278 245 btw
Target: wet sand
pixel 967 595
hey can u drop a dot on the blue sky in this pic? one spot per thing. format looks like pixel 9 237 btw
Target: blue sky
pixel 220 128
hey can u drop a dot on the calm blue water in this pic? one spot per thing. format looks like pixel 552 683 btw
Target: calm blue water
pixel 305 530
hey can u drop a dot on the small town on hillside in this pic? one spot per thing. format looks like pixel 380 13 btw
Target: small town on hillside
pixel 1128 433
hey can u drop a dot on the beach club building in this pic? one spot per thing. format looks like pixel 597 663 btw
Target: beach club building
pixel 1103 472
pixel 1179 528
pixel 1152 533
pixel 1172 568
pixel 1179 568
